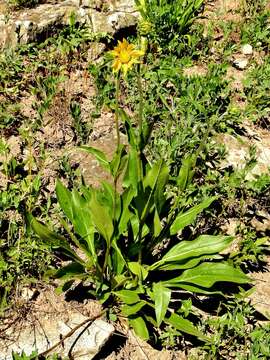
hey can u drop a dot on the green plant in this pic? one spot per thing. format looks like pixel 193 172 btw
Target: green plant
pixel 134 254
pixel 11 65
pixel 33 356
pixel 20 255
pixel 257 89
pixel 256 30
pixel 252 8
pixel 235 333
pixel 165 23
pixel 74 36
pixel 81 128
pixel 45 90
pixel 187 110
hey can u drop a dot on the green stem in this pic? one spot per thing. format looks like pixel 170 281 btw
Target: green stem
pixel 117 111
pixel 140 89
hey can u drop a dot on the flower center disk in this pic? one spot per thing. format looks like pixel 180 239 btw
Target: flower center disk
pixel 124 56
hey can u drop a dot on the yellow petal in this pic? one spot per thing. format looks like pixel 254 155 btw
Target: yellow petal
pixel 114 52
pixel 125 69
pixel 116 65
pixel 137 53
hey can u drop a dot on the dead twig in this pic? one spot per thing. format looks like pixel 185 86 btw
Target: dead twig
pixel 70 333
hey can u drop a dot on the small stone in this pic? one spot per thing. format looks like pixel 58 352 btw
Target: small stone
pixel 240 64
pixel 27 294
pixel 247 49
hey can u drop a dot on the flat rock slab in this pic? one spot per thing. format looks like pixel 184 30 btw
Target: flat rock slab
pixel 47 320
pixel 238 150
pixel 45 20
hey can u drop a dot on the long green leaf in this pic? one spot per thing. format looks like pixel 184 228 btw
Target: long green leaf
pixel 132 175
pixel 195 289
pixel 151 180
pixel 64 198
pixel 101 219
pixel 98 154
pixel 186 326
pixel 188 263
pixel 128 297
pixel 186 251
pixel 207 274
pixel 71 271
pixel 162 297
pixel 182 220
pixel 55 240
pixel 118 162
pixel 128 310
pixel 185 174
pixel 130 131
pixel 140 328
pixel 82 221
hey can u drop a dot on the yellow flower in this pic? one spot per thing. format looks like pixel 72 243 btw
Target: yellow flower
pixel 125 56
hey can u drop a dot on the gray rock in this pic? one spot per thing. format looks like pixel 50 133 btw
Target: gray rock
pixel 46 19
pixel 238 150
pixel 247 49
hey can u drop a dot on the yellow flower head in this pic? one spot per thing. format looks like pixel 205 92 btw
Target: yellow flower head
pixel 125 56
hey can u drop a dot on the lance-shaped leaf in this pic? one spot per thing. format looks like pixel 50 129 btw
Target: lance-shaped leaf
pixel 186 326
pixel 162 297
pixel 187 251
pixel 207 274
pixel 101 219
pixel 132 174
pixel 129 128
pixel 99 155
pixel 128 310
pixel 186 172
pixel 190 263
pixel 82 221
pixel 53 239
pixel 73 270
pixel 139 326
pixel 127 296
pixel 187 218
pixel 64 198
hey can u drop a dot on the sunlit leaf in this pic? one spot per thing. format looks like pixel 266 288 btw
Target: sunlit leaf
pixel 99 155
pixel 207 274
pixel 187 251
pixel 128 310
pixel 187 218
pixel 140 328
pixel 162 297
pixel 127 296
pixel 186 326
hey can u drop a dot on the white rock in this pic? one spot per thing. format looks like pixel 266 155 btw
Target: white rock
pixel 88 344
pixel 240 64
pixel 247 49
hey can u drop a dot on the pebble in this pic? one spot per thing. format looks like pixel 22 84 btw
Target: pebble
pixel 247 49
pixel 240 64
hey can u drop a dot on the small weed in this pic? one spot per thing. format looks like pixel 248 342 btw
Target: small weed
pixel 257 91
pixel 166 23
pixel 235 334
pixel 256 31
pixel 81 128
